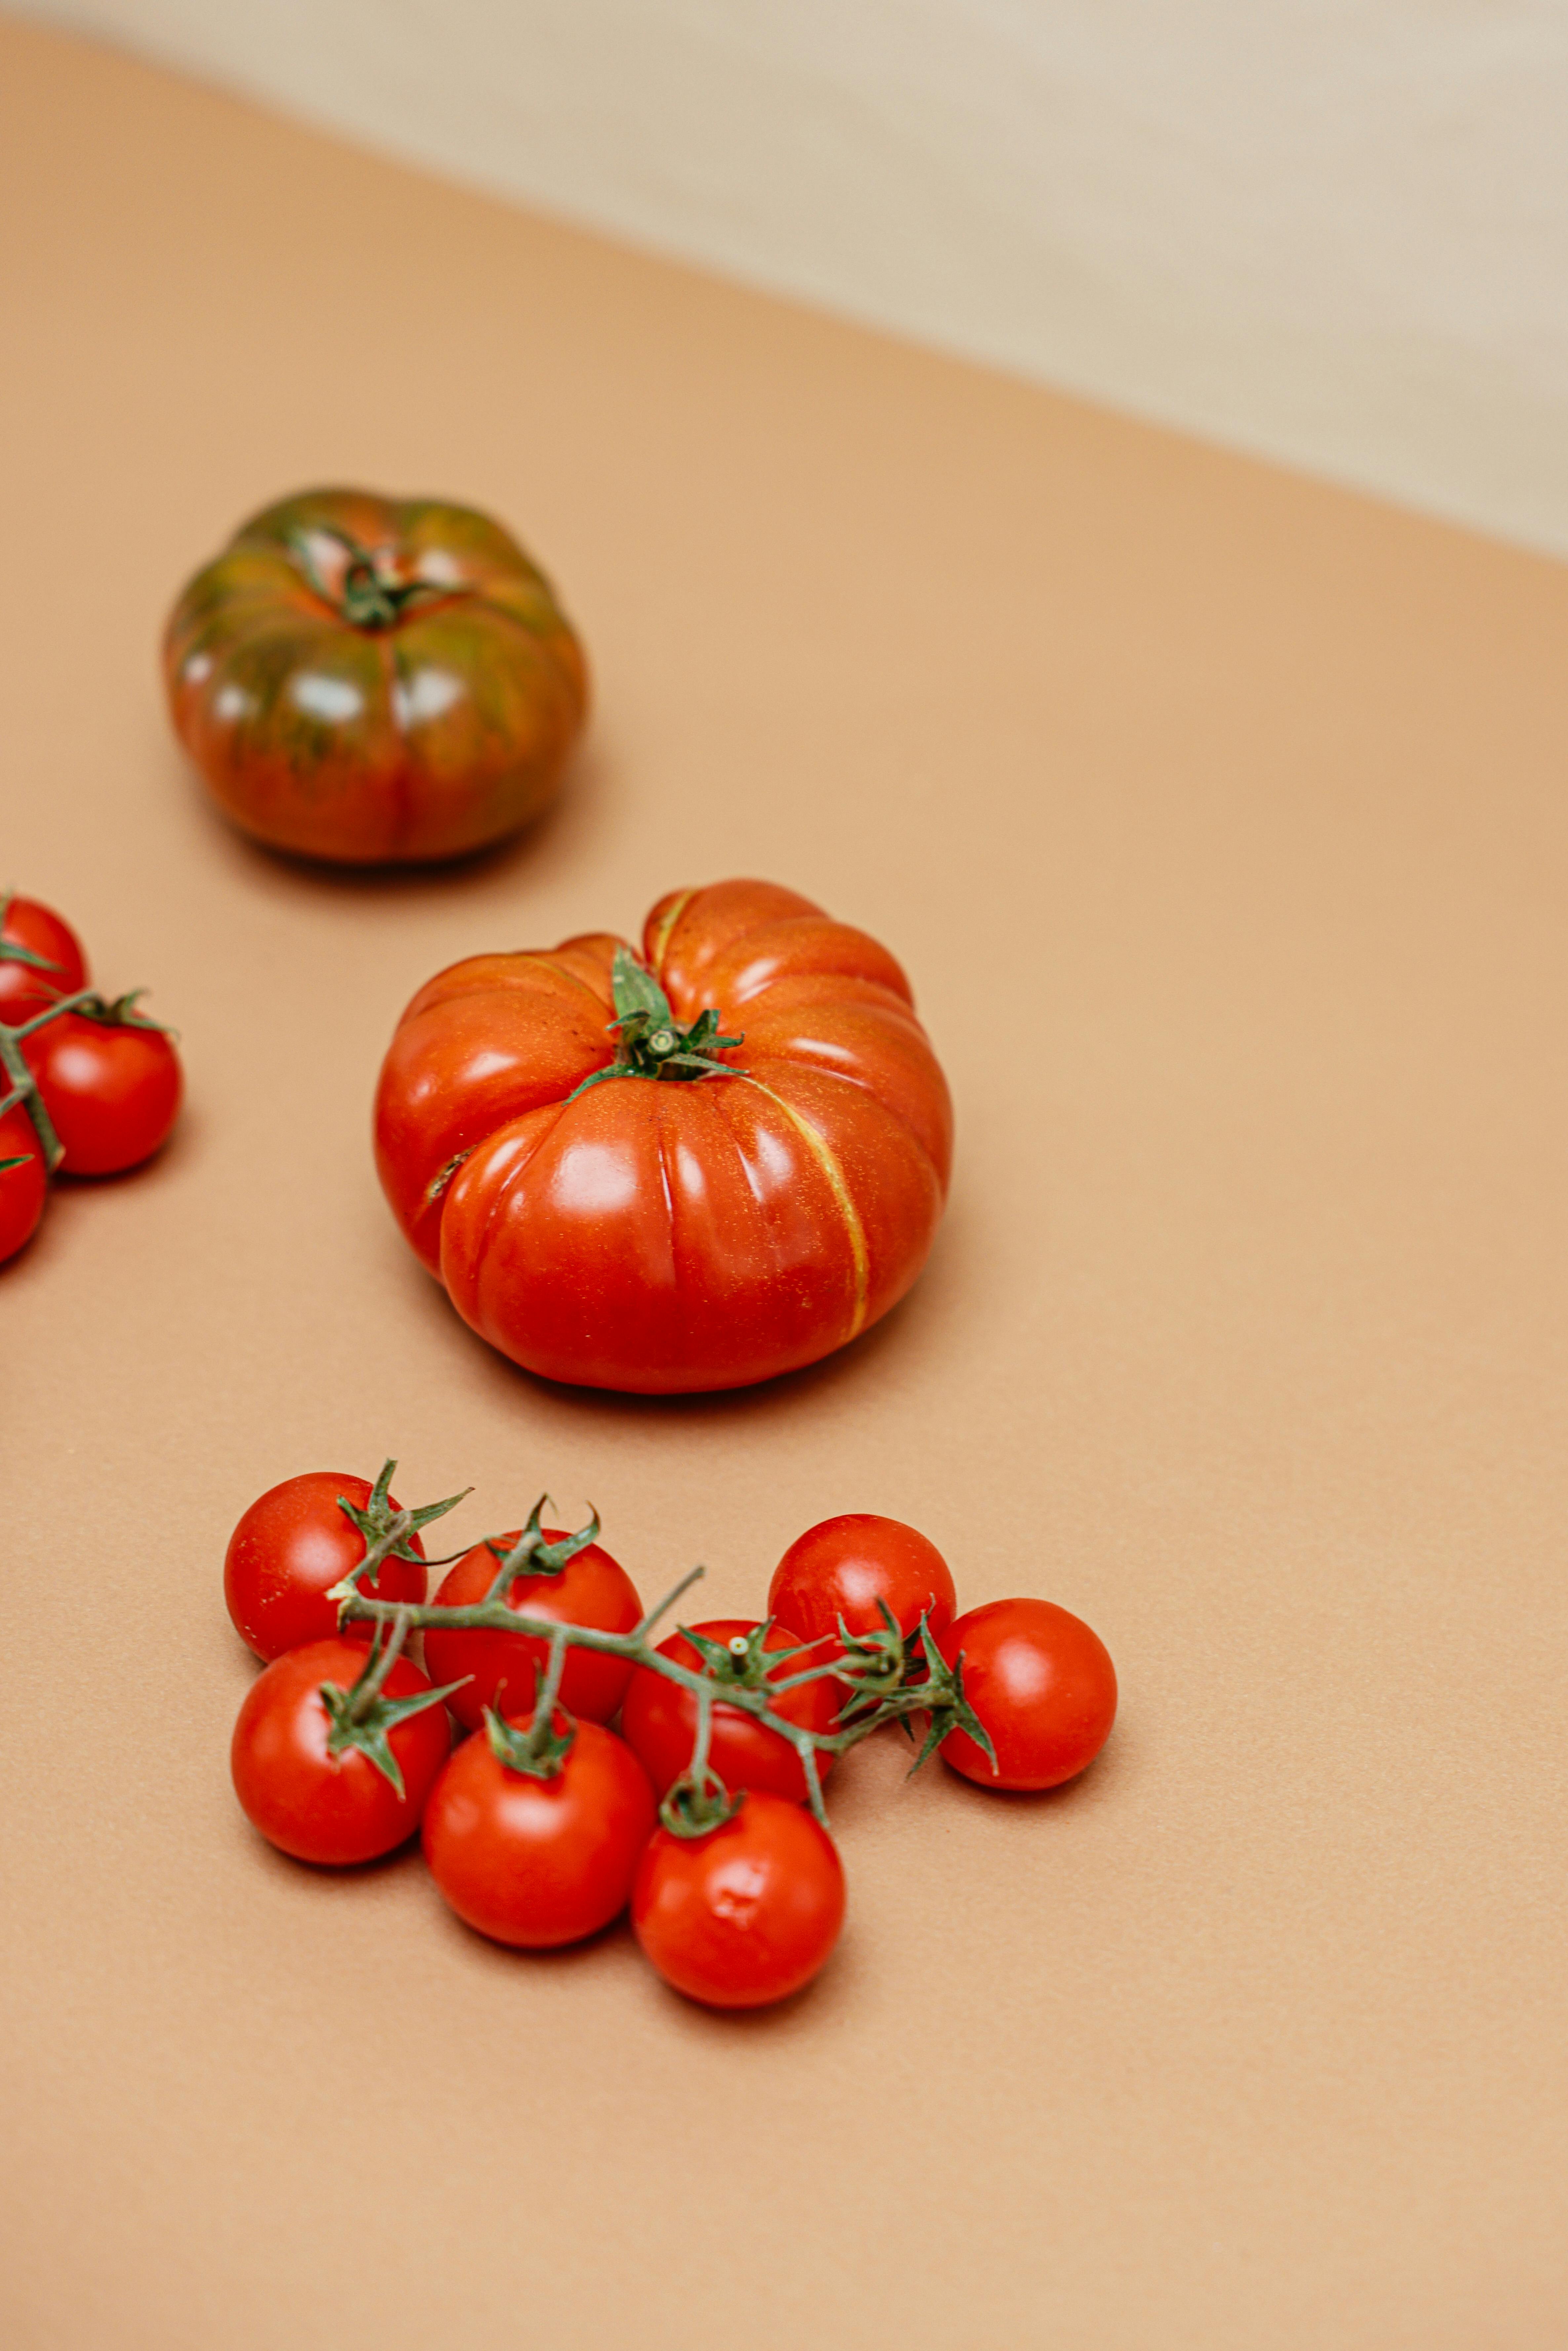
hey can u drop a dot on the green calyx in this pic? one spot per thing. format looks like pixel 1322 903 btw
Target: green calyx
pixel 366 1727
pixel 387 1533
pixel 23 1159
pixel 373 594
pixel 743 1662
pixel 12 950
pixel 941 1691
pixel 532 1556
pixel 652 1042
pixel 537 1749
pixel 698 1803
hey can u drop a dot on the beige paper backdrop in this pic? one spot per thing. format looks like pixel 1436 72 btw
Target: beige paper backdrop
pixel 1221 822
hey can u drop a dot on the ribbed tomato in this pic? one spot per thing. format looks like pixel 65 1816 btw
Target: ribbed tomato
pixel 619 1191
pixel 368 679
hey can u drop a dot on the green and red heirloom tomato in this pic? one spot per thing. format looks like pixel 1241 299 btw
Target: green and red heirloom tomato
pixel 309 1792
pixel 617 1194
pixel 40 959
pixel 111 1085
pixel 292 1545
pixel 24 1186
pixel 369 679
pixel 746 1913
pixel 850 1568
pixel 1042 1685
pixel 591 1589
pixel 659 1720
pixel 538 1858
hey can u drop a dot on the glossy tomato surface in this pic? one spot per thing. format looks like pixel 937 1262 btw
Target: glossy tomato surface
pixel 536 1862
pixel 659 1720
pixel 845 1567
pixel 370 679
pixel 41 959
pixel 312 1803
pixel 1043 1686
pixel 748 1912
pixel 659 1236
pixel 591 1589
pixel 291 1548
pixel 112 1087
pixel 23 1189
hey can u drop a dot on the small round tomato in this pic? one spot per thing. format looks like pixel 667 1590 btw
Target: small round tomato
pixel 40 959
pixel 23 1187
pixel 659 1720
pixel 313 1803
pixel 591 1589
pixel 1043 1687
pixel 536 1862
pixel 748 1912
pixel 112 1087
pixel 845 1566
pixel 291 1548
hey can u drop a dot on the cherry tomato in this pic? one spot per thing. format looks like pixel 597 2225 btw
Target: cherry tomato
pixel 23 1189
pixel 112 1087
pixel 310 1802
pixel 748 1912
pixel 659 1720
pixel 846 1565
pixel 540 1862
pixel 291 1548
pixel 590 1589
pixel 1043 1686
pixel 26 987
pixel 718 1211
pixel 364 678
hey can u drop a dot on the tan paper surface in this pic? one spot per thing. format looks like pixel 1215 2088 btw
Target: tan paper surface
pixel 1220 821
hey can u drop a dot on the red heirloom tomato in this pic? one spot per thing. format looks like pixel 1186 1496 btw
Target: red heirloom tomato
pixel 291 1548
pixel 1043 1687
pixel 538 1862
pixel 590 1589
pixel 40 959
pixel 659 1720
pixel 24 1186
pixel 369 679
pixel 845 1566
pixel 308 1801
pixel 112 1086
pixel 679 1210
pixel 745 1914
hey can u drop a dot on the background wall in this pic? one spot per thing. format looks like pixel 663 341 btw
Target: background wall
pixel 1331 231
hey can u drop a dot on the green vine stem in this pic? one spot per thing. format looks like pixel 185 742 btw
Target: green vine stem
pixel 23 1085
pixel 886 1678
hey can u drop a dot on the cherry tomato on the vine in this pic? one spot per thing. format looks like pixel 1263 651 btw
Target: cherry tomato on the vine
pixel 844 1566
pixel 309 1802
pixel 538 1862
pixel 23 1189
pixel 291 1548
pixel 590 1589
pixel 112 1087
pixel 1043 1687
pixel 748 1912
pixel 659 1720
pixel 44 962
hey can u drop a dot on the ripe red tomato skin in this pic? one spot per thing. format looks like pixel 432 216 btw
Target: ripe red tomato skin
pixel 287 1552
pixel 745 1914
pixel 539 1863
pixel 659 1720
pixel 23 1190
pixel 24 988
pixel 843 1566
pixel 1043 1684
pixel 112 1089
pixel 591 1589
pixel 330 1809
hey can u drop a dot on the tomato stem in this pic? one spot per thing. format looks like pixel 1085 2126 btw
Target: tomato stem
pixel 887 1677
